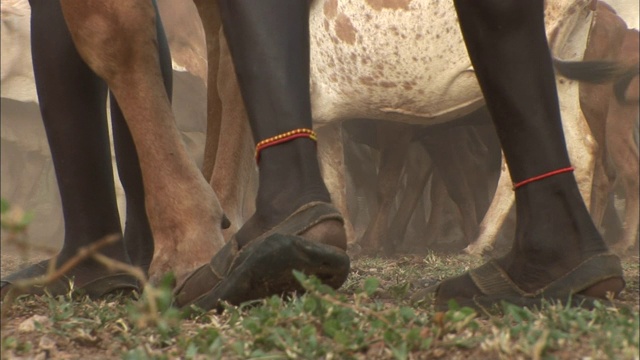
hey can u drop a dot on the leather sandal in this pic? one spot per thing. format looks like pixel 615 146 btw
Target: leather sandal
pixel 264 266
pixel 98 287
pixel 602 272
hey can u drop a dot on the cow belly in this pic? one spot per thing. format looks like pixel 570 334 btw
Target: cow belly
pixel 404 61
pixel 628 11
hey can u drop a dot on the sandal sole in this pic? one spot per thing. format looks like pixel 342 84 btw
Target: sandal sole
pixel 267 269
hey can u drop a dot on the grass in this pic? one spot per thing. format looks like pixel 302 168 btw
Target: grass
pixel 369 318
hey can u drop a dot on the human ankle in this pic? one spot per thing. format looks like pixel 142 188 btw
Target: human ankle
pixel 275 205
pixel 290 177
pixel 552 218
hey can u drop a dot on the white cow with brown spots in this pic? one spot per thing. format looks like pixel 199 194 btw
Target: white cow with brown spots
pixel 401 61
pixel 611 121
pixel 121 44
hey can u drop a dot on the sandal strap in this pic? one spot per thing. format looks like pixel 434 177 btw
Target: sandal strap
pixel 229 257
pixel 492 280
pixel 588 273
pixel 95 288
pixel 303 219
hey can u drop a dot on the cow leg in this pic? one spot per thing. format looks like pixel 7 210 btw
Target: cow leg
pixel 333 167
pixel 483 160
pixel 493 220
pixel 360 147
pixel 611 223
pixel 234 176
pixel 210 17
pixel 593 102
pixel 622 142
pixel 623 150
pixel 394 146
pixel 118 40
pixel 138 237
pixel 433 228
pixel 416 184
pixel 555 233
pixel 602 184
pixel 362 182
pixel 445 148
pixel 72 102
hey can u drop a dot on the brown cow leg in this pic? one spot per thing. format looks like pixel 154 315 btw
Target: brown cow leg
pixel 138 238
pixel 72 102
pixel 622 144
pixel 118 41
pixel 624 154
pixel 269 42
pixel 555 234
pixel 210 17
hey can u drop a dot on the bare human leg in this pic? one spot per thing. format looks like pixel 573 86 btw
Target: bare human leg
pixel 294 226
pixel 269 42
pixel 558 251
pixel 72 102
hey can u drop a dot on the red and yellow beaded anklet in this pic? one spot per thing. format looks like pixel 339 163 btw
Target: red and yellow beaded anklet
pixel 543 176
pixel 284 137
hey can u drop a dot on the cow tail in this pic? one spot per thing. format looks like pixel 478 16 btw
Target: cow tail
pixel 596 72
pixel 621 85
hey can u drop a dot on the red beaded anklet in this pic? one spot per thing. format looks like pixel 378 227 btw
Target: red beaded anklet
pixel 543 176
pixel 284 137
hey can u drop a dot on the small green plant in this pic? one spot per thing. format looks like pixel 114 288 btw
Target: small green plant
pixel 363 320
pixel 154 311
pixel 14 220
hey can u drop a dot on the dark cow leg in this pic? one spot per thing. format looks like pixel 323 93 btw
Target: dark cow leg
pixel 448 148
pixel 269 42
pixel 394 146
pixel 138 238
pixel 438 195
pixel 557 249
pixel 411 195
pixel 72 102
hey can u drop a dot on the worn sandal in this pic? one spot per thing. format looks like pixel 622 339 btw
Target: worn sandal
pixel 496 286
pixel 264 266
pixel 96 288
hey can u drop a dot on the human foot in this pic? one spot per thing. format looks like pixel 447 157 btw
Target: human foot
pixel 88 278
pixel 311 240
pixel 557 254
pixel 599 277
